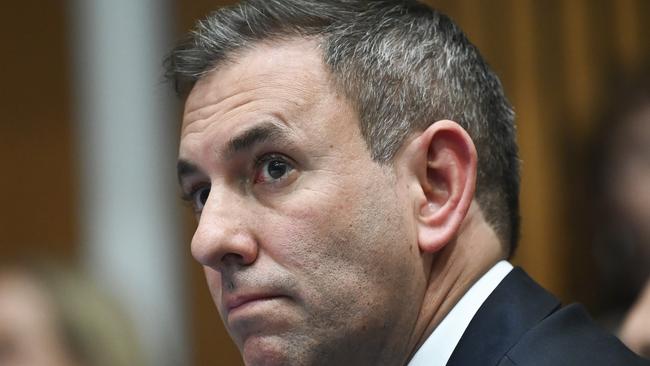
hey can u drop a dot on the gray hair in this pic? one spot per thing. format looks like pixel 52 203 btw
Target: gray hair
pixel 403 66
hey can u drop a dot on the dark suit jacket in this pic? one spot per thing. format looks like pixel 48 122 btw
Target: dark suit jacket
pixel 520 323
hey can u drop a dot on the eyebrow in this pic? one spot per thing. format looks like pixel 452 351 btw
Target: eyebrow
pixel 238 144
pixel 255 135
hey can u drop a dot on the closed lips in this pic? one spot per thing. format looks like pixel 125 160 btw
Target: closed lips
pixel 239 301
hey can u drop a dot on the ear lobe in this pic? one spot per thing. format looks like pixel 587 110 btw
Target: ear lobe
pixel 444 160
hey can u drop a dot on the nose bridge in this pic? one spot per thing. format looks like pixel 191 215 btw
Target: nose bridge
pixel 224 232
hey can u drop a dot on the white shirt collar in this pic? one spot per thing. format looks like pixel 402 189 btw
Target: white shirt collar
pixel 437 349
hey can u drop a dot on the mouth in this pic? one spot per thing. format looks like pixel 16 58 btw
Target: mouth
pixel 242 301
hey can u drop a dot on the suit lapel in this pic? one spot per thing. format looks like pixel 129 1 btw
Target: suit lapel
pixel 515 306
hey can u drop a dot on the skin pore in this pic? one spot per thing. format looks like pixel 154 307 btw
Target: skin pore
pixel 313 252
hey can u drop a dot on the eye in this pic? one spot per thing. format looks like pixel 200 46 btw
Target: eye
pixel 199 197
pixel 272 169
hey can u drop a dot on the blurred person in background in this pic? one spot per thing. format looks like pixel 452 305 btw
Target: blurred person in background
pixel 620 215
pixel 51 315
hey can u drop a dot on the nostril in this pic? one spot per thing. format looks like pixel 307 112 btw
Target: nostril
pixel 232 259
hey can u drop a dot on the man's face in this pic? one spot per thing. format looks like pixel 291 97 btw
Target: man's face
pixel 308 245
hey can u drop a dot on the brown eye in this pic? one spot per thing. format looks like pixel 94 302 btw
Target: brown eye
pixel 276 169
pixel 272 169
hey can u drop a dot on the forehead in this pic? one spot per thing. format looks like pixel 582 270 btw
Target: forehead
pixel 285 83
pixel 286 72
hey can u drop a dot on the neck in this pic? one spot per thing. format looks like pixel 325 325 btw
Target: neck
pixel 453 271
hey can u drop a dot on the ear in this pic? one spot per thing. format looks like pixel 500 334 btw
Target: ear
pixel 442 160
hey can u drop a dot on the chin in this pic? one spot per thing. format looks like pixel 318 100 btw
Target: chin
pixel 267 351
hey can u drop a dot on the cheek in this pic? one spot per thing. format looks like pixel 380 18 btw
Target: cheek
pixel 357 243
pixel 316 231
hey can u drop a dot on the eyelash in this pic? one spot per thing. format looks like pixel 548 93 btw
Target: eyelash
pixel 265 158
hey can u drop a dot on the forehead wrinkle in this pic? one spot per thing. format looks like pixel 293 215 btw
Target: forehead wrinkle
pixel 294 94
pixel 248 109
pixel 207 107
pixel 211 112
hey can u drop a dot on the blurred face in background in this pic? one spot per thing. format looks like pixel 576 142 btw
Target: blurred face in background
pixel 29 333
pixel 629 184
pixel 306 243
pixel 631 180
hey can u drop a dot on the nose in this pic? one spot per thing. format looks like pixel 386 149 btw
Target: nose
pixel 224 235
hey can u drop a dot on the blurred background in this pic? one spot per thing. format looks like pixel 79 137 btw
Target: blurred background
pixel 88 139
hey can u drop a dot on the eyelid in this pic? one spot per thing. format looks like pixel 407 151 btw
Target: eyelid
pixel 263 159
pixel 189 196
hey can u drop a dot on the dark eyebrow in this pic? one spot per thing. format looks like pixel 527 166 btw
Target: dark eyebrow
pixel 184 168
pixel 255 135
